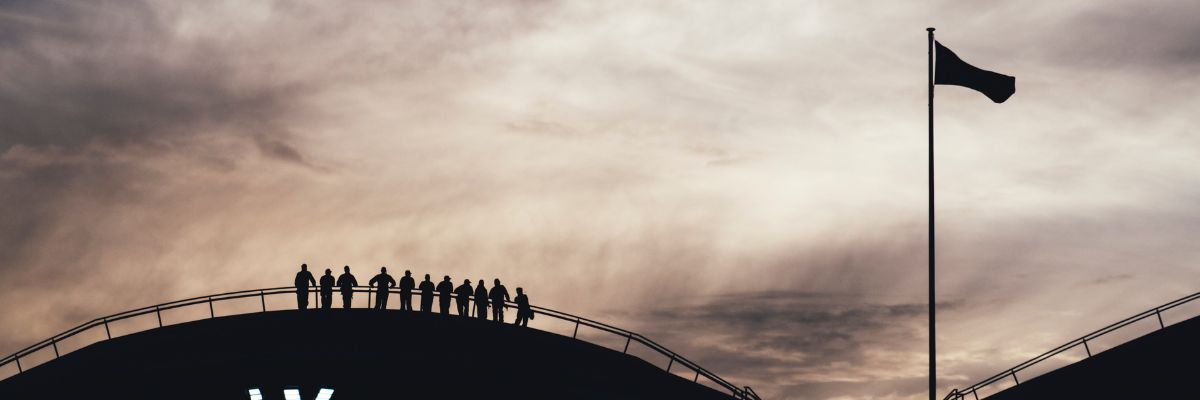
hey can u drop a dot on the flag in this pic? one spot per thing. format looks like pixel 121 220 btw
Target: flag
pixel 951 70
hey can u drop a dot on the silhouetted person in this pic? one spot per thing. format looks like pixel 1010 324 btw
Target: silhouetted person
pixel 481 301
pixel 499 295
pixel 524 312
pixel 384 281
pixel 444 288
pixel 347 283
pixel 426 294
pixel 463 294
pixel 304 279
pixel 327 289
pixel 406 288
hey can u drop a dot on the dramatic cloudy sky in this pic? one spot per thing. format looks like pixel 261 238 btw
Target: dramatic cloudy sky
pixel 742 181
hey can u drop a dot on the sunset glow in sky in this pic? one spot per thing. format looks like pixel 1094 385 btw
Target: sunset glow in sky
pixel 743 182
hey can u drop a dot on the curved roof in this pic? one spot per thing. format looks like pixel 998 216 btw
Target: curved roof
pixel 359 353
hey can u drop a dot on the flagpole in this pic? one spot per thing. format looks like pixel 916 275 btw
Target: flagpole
pixel 932 308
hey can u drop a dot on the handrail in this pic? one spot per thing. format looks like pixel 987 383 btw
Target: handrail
pixel 959 394
pixel 630 337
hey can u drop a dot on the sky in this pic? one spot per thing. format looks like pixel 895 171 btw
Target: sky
pixel 743 183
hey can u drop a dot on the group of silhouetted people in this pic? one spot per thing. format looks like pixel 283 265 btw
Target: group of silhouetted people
pixel 496 298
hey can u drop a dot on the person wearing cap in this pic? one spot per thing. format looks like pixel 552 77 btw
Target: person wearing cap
pixel 524 312
pixel 327 289
pixel 463 295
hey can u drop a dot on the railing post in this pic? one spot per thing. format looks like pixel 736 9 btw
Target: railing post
pixel 628 338
pixel 671 363
pixel 211 314
pixel 54 343
pixel 263 297
pixel 1013 372
pixel 1086 348
pixel 576 333
pixel 697 378
pixel 974 393
pixel 1159 315
pixel 19 369
pixel 106 331
pixel 159 315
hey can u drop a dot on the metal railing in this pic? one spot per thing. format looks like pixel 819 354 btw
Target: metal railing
pixel 675 360
pixel 973 390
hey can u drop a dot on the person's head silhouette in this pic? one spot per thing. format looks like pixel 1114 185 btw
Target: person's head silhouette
pixel 328 271
pixel 304 267
pixel 447 278
pixel 426 277
pixel 346 268
pixel 497 283
pixel 383 270
pixel 407 273
pixel 481 282
pixel 467 282
pixel 519 291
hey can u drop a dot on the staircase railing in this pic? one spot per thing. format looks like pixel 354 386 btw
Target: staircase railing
pixel 675 359
pixel 973 390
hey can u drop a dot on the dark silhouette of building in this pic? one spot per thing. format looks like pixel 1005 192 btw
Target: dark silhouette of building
pixel 463 294
pixel 481 301
pixel 346 283
pixel 327 289
pixel 406 287
pixel 354 352
pixel 499 295
pixel 444 289
pixel 426 294
pixel 1158 365
pixel 524 312
pixel 304 279
pixel 384 282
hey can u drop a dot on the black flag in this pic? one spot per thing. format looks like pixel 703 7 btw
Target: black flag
pixel 951 70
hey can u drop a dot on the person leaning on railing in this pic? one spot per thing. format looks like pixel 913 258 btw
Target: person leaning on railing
pixel 496 298
pixel 304 279
pixel 406 287
pixel 346 283
pixel 524 312
pixel 464 293
pixel 327 289
pixel 426 294
pixel 481 301
pixel 444 289
pixel 499 295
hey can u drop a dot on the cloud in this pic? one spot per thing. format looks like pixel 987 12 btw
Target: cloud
pixel 741 172
pixel 105 88
pixel 801 345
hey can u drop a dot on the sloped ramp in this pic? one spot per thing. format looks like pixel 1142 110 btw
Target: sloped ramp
pixel 1160 365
